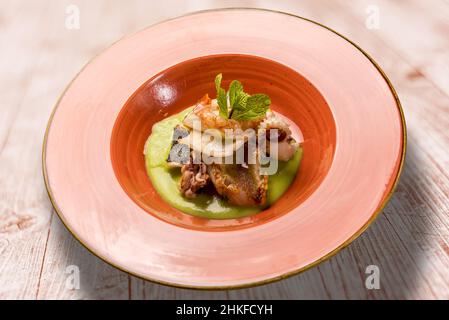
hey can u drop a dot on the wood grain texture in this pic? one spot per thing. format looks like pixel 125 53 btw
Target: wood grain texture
pixel 409 241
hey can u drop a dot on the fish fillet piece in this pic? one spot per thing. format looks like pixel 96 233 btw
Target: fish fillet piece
pixel 241 186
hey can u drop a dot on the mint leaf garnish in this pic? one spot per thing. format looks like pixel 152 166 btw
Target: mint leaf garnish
pixel 242 106
pixel 256 106
pixel 221 97
pixel 240 102
pixel 235 91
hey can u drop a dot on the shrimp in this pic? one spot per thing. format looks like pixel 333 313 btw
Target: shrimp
pixel 206 110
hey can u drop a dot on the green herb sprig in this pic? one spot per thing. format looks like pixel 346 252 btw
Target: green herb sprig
pixel 242 106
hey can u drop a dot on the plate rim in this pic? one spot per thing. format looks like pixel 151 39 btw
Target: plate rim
pixel 327 256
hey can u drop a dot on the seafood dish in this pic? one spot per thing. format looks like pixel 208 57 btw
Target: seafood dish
pixel 223 157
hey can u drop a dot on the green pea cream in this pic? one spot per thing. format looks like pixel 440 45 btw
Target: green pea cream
pixel 166 180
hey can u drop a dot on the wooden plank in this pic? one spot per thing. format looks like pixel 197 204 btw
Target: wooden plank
pixel 141 289
pixel 417 30
pixel 66 259
pixel 24 211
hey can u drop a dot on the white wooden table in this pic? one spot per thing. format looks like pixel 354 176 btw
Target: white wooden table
pixel 409 242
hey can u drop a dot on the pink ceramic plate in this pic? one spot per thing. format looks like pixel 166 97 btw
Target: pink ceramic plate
pixel 349 115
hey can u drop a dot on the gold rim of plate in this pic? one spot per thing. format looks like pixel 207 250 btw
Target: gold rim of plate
pixel 285 275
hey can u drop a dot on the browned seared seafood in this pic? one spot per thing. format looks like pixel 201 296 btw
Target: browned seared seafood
pixel 217 130
pixel 193 178
pixel 241 186
pixel 206 111
pixel 284 143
